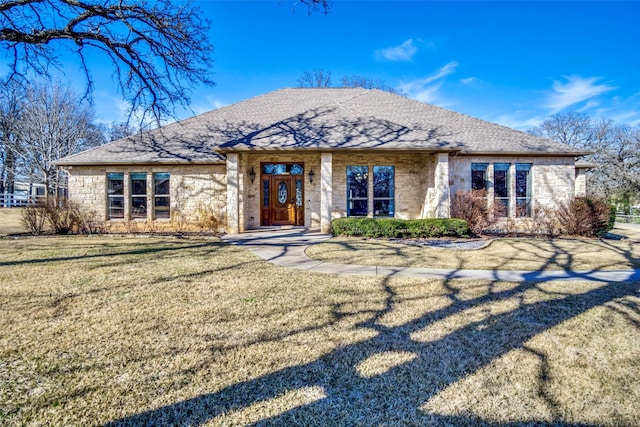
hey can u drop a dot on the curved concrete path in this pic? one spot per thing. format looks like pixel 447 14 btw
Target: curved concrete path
pixel 286 247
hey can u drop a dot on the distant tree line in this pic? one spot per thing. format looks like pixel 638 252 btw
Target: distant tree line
pixel 615 148
pixel 320 78
pixel 41 123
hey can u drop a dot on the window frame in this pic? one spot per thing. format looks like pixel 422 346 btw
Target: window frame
pixel 392 192
pixel 528 186
pixel 142 211
pixel 371 173
pixel 505 185
pixel 111 197
pixel 504 200
pixel 350 198
pixel 480 167
pixel 161 196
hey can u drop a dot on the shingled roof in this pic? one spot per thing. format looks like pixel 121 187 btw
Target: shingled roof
pixel 319 119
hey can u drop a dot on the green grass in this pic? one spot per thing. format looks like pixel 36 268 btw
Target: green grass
pixel 191 331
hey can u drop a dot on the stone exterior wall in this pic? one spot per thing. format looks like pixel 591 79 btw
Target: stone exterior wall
pixel 414 181
pixel 197 193
pixel 581 182
pixel 552 178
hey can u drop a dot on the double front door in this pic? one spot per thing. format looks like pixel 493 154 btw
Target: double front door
pixel 282 199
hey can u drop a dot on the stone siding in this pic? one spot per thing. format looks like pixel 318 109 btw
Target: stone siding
pixel 197 193
pixel 581 182
pixel 414 181
pixel 552 178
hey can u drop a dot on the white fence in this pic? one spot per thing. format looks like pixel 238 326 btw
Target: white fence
pixel 17 200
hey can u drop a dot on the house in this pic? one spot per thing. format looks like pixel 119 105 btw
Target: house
pixel 301 157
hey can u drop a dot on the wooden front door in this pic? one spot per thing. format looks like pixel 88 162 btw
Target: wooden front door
pixel 283 204
pixel 283 199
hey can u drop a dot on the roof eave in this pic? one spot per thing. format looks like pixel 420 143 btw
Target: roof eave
pixel 326 149
pixel 526 153
pixel 143 162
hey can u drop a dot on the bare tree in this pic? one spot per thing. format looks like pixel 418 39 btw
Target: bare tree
pixel 573 128
pixel 11 105
pixel 367 83
pixel 53 123
pixel 119 130
pixel 320 78
pixel 315 78
pixel 315 5
pixel 615 147
pixel 158 50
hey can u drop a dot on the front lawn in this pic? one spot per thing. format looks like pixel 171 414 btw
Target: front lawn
pixel 502 254
pixel 115 330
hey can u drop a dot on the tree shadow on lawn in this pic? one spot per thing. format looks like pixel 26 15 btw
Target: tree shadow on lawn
pixel 145 248
pixel 333 390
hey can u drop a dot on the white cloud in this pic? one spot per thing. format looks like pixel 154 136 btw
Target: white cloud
pixel 576 90
pixel 210 104
pixel 515 122
pixel 426 89
pixel 403 52
pixel 468 80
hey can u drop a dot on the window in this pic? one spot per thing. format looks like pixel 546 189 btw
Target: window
pixel 298 193
pixel 507 193
pixel 138 195
pixel 382 188
pixel 115 195
pixel 383 185
pixel 501 184
pixel 479 176
pixel 357 190
pixel 282 169
pixel 161 197
pixel 523 189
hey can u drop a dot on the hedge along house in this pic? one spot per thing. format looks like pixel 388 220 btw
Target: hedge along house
pixel 301 157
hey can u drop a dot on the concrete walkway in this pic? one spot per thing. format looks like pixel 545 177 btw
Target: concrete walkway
pixel 286 248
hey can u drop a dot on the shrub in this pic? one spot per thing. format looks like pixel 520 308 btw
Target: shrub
pixel 585 216
pixel 33 218
pixel 397 228
pixel 473 206
pixel 62 217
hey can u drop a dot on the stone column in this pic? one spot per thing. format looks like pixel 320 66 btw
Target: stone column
pixel 326 191
pixel 512 191
pixel 581 183
pixel 233 217
pixel 442 193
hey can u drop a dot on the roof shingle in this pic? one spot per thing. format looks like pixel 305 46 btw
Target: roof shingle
pixel 319 119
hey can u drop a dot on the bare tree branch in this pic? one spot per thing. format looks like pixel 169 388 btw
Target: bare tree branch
pixel 158 50
pixel 616 150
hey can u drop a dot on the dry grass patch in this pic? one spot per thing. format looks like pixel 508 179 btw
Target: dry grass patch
pixel 10 221
pixel 502 254
pixel 191 331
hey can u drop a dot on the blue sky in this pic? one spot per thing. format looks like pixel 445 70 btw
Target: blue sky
pixel 511 62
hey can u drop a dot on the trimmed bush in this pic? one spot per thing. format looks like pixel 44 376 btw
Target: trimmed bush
pixel 398 228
